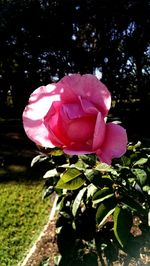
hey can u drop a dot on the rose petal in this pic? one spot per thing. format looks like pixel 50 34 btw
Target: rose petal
pixel 41 100
pixel 39 103
pixel 90 88
pixel 37 132
pixel 81 129
pixel 99 132
pixel 51 122
pixel 73 110
pixel 78 149
pixel 115 143
pixel 87 106
pixel 65 86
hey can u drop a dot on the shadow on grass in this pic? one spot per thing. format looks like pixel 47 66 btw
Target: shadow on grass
pixel 16 154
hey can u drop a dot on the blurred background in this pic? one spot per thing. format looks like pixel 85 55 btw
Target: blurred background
pixel 43 40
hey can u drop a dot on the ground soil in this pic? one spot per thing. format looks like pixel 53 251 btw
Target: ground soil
pixel 46 247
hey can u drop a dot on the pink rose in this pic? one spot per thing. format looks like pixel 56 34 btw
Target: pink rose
pixel 70 114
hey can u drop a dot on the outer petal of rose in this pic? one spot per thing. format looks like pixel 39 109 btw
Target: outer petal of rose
pixel 90 88
pixel 41 100
pixel 39 103
pixel 115 143
pixel 76 149
pixel 99 132
pixel 65 87
pixel 37 132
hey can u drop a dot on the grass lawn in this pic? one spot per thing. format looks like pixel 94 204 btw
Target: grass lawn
pixel 23 214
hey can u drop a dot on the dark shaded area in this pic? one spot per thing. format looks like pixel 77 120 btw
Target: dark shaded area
pixel 42 40
pixel 16 154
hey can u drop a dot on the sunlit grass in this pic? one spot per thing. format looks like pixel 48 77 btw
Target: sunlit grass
pixel 23 213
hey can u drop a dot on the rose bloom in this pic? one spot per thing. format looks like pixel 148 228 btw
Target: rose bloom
pixel 71 114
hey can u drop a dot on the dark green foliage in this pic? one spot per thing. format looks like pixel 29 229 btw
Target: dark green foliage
pixel 102 194
pixel 105 209
pixel 122 225
pixel 97 218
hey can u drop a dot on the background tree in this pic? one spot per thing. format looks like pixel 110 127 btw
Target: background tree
pixel 42 40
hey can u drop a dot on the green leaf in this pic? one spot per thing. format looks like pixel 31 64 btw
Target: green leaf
pixel 71 179
pixel 134 205
pixel 122 225
pixel 95 177
pixel 140 175
pixel 48 191
pixel 80 165
pixel 141 161
pixel 103 167
pixel 38 158
pixel 134 147
pixel 102 194
pixel 50 173
pixel 89 159
pixel 70 174
pixel 91 190
pixel 45 262
pixel 57 260
pixel 71 185
pixel 125 160
pixel 55 152
pixel 104 210
pixel 77 201
pixel 146 189
pixel 138 144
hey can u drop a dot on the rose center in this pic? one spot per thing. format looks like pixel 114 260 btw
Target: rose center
pixel 81 129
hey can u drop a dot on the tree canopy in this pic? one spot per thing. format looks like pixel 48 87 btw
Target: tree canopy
pixel 42 40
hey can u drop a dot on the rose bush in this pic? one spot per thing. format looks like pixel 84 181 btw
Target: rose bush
pixel 71 114
pixel 97 203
